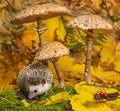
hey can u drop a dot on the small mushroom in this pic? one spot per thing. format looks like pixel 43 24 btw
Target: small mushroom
pixel 52 51
pixel 89 23
pixel 38 13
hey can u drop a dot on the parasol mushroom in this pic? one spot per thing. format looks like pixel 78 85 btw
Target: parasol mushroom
pixel 89 23
pixel 38 13
pixel 52 51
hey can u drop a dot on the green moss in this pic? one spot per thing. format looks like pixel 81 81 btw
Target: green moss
pixel 55 89
pixel 10 102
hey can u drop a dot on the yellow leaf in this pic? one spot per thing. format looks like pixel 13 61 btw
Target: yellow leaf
pixel 52 25
pixel 92 106
pixel 109 43
pixel 86 92
pixel 107 52
pixel 112 78
pixel 117 63
pixel 28 36
pixel 65 69
pixel 65 63
pixel 117 50
pixel 111 90
pixel 109 77
pixel 82 86
pixel 59 97
pixel 26 104
pixel 78 57
pixel 78 70
pixel 107 55
pixel 68 17
pixel 115 105
pixel 78 105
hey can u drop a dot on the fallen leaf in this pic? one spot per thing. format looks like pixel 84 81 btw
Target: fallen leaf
pixel 26 104
pixel 59 97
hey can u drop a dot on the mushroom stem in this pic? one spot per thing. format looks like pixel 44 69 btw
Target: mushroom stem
pixel 87 74
pixel 59 74
pixel 39 24
pixel 41 36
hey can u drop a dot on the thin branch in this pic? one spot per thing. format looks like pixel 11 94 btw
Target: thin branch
pixel 10 5
pixel 107 8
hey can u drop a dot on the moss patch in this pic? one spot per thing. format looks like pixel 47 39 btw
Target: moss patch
pixel 10 102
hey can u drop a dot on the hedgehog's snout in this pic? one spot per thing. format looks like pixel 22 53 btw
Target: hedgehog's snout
pixel 34 91
pixel 37 90
pixel 32 94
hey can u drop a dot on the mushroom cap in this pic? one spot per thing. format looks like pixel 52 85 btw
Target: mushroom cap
pixel 51 50
pixel 89 21
pixel 44 11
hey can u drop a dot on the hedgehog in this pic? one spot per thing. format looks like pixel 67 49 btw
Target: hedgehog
pixel 34 80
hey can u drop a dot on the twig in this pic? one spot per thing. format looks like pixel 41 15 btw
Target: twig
pixel 10 5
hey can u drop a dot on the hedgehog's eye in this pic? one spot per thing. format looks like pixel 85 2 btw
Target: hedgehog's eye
pixel 35 91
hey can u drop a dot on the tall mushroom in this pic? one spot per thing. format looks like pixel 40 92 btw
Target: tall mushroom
pixel 52 51
pixel 38 13
pixel 89 23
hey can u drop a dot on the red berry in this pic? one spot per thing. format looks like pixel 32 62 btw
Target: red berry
pixel 105 95
pixel 102 94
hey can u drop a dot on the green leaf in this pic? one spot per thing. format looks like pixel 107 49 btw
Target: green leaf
pixel 99 38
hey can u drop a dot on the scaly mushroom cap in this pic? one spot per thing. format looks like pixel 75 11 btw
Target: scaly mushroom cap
pixel 51 50
pixel 89 21
pixel 44 11
pixel 33 74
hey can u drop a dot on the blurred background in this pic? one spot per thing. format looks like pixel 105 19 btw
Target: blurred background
pixel 19 43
